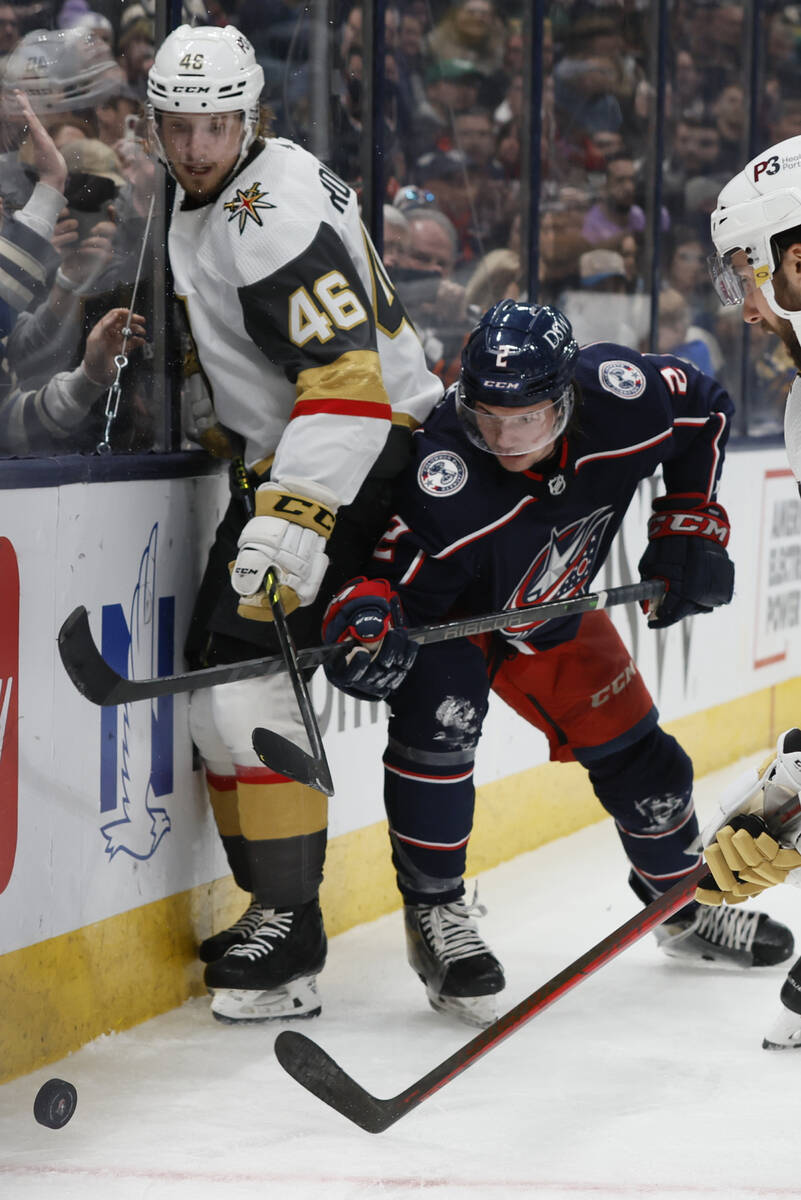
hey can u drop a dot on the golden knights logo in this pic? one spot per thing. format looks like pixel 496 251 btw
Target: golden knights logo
pixel 247 204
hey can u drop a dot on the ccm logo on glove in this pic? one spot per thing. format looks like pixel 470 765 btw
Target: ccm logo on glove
pixel 700 524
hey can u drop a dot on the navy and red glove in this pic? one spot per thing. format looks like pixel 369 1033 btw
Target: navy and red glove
pixel 368 612
pixel 687 549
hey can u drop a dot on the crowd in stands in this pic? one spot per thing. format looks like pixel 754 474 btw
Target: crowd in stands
pixel 456 203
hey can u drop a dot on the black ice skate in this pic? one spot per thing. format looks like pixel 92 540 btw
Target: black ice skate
pixel 785 1032
pixel 727 936
pixel 460 973
pixel 273 975
pixel 218 944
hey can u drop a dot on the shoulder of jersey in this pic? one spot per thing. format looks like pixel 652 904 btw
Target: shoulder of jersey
pixel 612 371
pixel 270 212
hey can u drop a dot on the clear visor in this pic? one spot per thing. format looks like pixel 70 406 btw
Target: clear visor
pixel 514 432
pixel 197 140
pixel 731 283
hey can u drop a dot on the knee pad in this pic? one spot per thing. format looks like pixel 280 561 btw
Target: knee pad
pixel 646 787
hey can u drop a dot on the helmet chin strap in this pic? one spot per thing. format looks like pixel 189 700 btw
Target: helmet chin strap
pixel 794 317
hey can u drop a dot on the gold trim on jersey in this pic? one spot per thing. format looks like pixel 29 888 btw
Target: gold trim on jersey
pixel 355 375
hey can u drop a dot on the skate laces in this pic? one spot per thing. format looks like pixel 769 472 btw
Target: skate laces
pixel 451 930
pixel 273 927
pixel 250 920
pixel 731 928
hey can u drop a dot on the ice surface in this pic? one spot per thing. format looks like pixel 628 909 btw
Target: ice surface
pixel 647 1080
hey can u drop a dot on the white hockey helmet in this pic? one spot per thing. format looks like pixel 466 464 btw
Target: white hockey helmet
pixel 205 69
pixel 763 200
pixel 60 70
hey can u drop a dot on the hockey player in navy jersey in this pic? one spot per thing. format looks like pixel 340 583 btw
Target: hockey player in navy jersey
pixel 521 479
pixel 317 379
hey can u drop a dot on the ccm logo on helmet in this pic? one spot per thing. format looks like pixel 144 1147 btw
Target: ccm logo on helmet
pixel 191 89
pixel 771 166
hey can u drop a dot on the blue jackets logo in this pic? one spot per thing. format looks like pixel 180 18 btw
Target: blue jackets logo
pixel 622 379
pixel 442 473
pixel 565 566
pixel 136 761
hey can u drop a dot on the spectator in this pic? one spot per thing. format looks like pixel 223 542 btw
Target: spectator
pixel 785 121
pixel 616 213
pixel 397 236
pixel 115 109
pixel 686 269
pixel 135 45
pixel 695 151
pixel 498 276
pixel 630 249
pixel 585 96
pixel 729 111
pixel 602 271
pixel 435 301
pixel 471 31
pixel 9 31
pixel 677 336
pixel 474 136
pixel 561 244
pixel 600 310
pixel 46 419
pixel 451 86
pixel 687 85
pixel 346 121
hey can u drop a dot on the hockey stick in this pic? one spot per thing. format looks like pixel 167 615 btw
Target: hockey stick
pixel 279 752
pixel 100 683
pixel 309 1064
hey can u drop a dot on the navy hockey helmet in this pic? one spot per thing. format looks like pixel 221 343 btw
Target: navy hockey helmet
pixel 519 356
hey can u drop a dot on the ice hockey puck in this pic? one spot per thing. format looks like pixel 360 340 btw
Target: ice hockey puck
pixel 55 1103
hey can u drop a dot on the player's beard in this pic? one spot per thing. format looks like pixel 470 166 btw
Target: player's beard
pixel 790 341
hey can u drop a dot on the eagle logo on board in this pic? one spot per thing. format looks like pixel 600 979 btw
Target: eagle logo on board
pixel 245 205
pixel 622 378
pixel 442 473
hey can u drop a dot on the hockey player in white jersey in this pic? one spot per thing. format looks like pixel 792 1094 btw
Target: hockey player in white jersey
pixel 756 228
pixel 318 378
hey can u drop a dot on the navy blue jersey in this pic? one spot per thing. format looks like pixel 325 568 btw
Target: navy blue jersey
pixel 469 537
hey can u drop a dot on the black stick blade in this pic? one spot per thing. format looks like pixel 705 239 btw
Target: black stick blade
pixel 285 758
pixel 84 663
pixel 309 1064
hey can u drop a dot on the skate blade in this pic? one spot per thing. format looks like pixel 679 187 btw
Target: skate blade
pixel 693 953
pixel 294 1001
pixel 479 1011
pixel 784 1033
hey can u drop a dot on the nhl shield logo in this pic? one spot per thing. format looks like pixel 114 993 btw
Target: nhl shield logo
pixel 442 473
pixel 556 485
pixel 622 378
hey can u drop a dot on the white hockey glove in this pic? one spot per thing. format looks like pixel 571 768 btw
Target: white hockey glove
pixel 289 533
pixel 743 854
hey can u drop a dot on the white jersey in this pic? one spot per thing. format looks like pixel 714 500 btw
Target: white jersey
pixel 792 427
pixel 299 331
